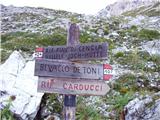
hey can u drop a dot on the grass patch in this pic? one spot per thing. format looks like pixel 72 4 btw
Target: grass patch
pixel 52 103
pixel 5 113
pixel 4 55
pixel 121 100
pixel 27 42
pixel 125 83
pixel 117 103
pixel 84 112
pixel 86 38
pixel 148 34
pixel 119 54
pixel 137 60
pixel 139 36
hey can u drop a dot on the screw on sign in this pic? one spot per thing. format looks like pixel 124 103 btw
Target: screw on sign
pixel 107 71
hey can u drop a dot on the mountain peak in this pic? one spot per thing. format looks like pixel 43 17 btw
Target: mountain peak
pixel 124 5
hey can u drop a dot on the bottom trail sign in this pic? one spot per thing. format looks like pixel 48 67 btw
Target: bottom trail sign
pixel 72 86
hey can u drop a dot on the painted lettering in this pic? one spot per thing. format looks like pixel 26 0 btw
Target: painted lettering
pixel 80 87
pixel 50 67
pixel 75 86
pixel 76 69
pixel 92 87
pixel 65 85
pixel 97 88
pixel 66 68
pixel 70 87
pixel 86 87
pixel 41 67
pixel 88 70
pixel 43 84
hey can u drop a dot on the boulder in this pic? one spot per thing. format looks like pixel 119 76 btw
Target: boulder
pixel 120 49
pixel 17 78
pixel 143 109
pixel 152 47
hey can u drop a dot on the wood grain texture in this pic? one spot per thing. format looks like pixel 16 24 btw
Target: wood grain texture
pixel 72 86
pixel 76 52
pixel 68 69
pixel 72 40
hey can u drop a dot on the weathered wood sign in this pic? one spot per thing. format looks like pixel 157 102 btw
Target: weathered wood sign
pixel 77 52
pixel 50 68
pixel 72 86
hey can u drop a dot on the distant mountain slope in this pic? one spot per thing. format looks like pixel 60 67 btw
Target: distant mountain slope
pixel 125 5
pixel 30 19
pixel 150 10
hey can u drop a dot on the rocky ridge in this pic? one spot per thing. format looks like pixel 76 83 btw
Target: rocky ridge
pixel 123 6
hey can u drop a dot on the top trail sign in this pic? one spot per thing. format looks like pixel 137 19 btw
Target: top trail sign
pixel 77 52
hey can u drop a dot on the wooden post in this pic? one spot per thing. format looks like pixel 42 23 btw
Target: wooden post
pixel 70 100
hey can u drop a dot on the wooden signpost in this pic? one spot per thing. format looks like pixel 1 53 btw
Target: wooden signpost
pixel 72 86
pixel 72 78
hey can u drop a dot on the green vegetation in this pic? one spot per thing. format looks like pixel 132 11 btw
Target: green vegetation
pixel 155 59
pixel 106 30
pixel 137 60
pixel 5 113
pixel 124 88
pixel 141 35
pixel 121 100
pixel 87 113
pixel 127 58
pixel 133 27
pixel 125 83
pixel 148 34
pixel 119 54
pixel 27 42
pixel 84 112
pixel 4 54
pixel 74 20
pixel 132 31
pixel 114 25
pixel 86 38
pixel 46 20
pixel 52 103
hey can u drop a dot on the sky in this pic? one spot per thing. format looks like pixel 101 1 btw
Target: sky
pixel 78 6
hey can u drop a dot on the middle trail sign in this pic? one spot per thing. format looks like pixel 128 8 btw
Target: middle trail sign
pixel 51 68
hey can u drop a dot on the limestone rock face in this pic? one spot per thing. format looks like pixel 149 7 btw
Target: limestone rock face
pixel 152 47
pixel 17 79
pixel 137 109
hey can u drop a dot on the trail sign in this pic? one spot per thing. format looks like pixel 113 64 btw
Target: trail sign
pixel 72 86
pixel 77 52
pixel 50 68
